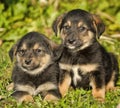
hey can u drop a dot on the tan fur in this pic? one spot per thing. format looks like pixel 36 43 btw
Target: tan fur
pixel 68 23
pixel 45 87
pixel 98 94
pixel 84 68
pixel 26 88
pixel 64 86
pixel 110 85
pixel 36 46
pixel 50 97
pixel 26 98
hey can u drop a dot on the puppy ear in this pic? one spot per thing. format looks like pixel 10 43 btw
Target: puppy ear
pixel 99 25
pixel 12 52
pixel 57 23
pixel 53 45
pixel 56 50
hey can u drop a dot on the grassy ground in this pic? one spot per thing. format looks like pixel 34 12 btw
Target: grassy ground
pixel 74 99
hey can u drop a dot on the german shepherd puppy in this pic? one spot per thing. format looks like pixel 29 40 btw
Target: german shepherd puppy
pixel 35 69
pixel 84 62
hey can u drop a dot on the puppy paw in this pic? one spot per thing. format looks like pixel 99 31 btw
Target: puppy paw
pixel 99 94
pixel 110 86
pixel 10 87
pixel 26 98
pixel 50 97
pixel 22 96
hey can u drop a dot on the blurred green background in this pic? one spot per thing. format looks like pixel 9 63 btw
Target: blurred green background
pixel 18 17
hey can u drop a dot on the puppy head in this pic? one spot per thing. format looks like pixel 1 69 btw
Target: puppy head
pixel 33 53
pixel 78 29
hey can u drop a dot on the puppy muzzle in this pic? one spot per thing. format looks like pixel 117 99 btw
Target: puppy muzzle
pixel 72 43
pixel 28 64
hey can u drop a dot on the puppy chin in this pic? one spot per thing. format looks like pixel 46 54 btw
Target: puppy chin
pixel 84 46
pixel 34 71
pixel 71 47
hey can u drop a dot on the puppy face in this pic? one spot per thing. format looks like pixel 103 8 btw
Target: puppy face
pixel 33 53
pixel 78 29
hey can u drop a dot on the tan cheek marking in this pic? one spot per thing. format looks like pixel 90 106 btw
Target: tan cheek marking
pixel 88 37
pixel 64 86
pixel 50 97
pixel 98 93
pixel 46 59
pixel 19 59
pixel 26 98
pixel 110 85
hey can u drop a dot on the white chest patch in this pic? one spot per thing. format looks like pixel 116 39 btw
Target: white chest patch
pixel 84 68
pixel 76 76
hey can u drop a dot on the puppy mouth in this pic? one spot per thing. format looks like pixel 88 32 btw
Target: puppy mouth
pixel 77 47
pixel 30 68
pixel 72 46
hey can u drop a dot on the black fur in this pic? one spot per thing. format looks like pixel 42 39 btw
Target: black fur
pixel 72 53
pixel 25 76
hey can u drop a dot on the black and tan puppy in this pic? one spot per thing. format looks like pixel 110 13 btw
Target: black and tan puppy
pixel 84 62
pixel 35 70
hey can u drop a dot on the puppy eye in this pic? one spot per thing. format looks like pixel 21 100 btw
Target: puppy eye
pixel 38 51
pixel 66 27
pixel 82 28
pixel 21 52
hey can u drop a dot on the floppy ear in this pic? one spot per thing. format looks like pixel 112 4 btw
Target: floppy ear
pixel 12 52
pixel 55 49
pixel 99 25
pixel 57 23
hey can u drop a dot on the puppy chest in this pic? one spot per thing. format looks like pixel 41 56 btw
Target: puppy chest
pixel 43 79
pixel 79 78
pixel 79 73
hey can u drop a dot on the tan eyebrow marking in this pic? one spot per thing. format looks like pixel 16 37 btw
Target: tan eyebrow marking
pixel 68 23
pixel 80 23
pixel 36 46
pixel 24 46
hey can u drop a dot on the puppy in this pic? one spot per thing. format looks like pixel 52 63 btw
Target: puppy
pixel 35 69
pixel 84 62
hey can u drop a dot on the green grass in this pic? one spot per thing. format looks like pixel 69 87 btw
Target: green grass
pixel 74 99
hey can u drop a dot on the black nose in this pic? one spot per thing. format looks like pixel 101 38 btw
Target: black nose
pixel 28 61
pixel 71 41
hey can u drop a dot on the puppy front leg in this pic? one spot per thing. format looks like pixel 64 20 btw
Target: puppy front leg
pixel 22 96
pixel 98 86
pixel 64 84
